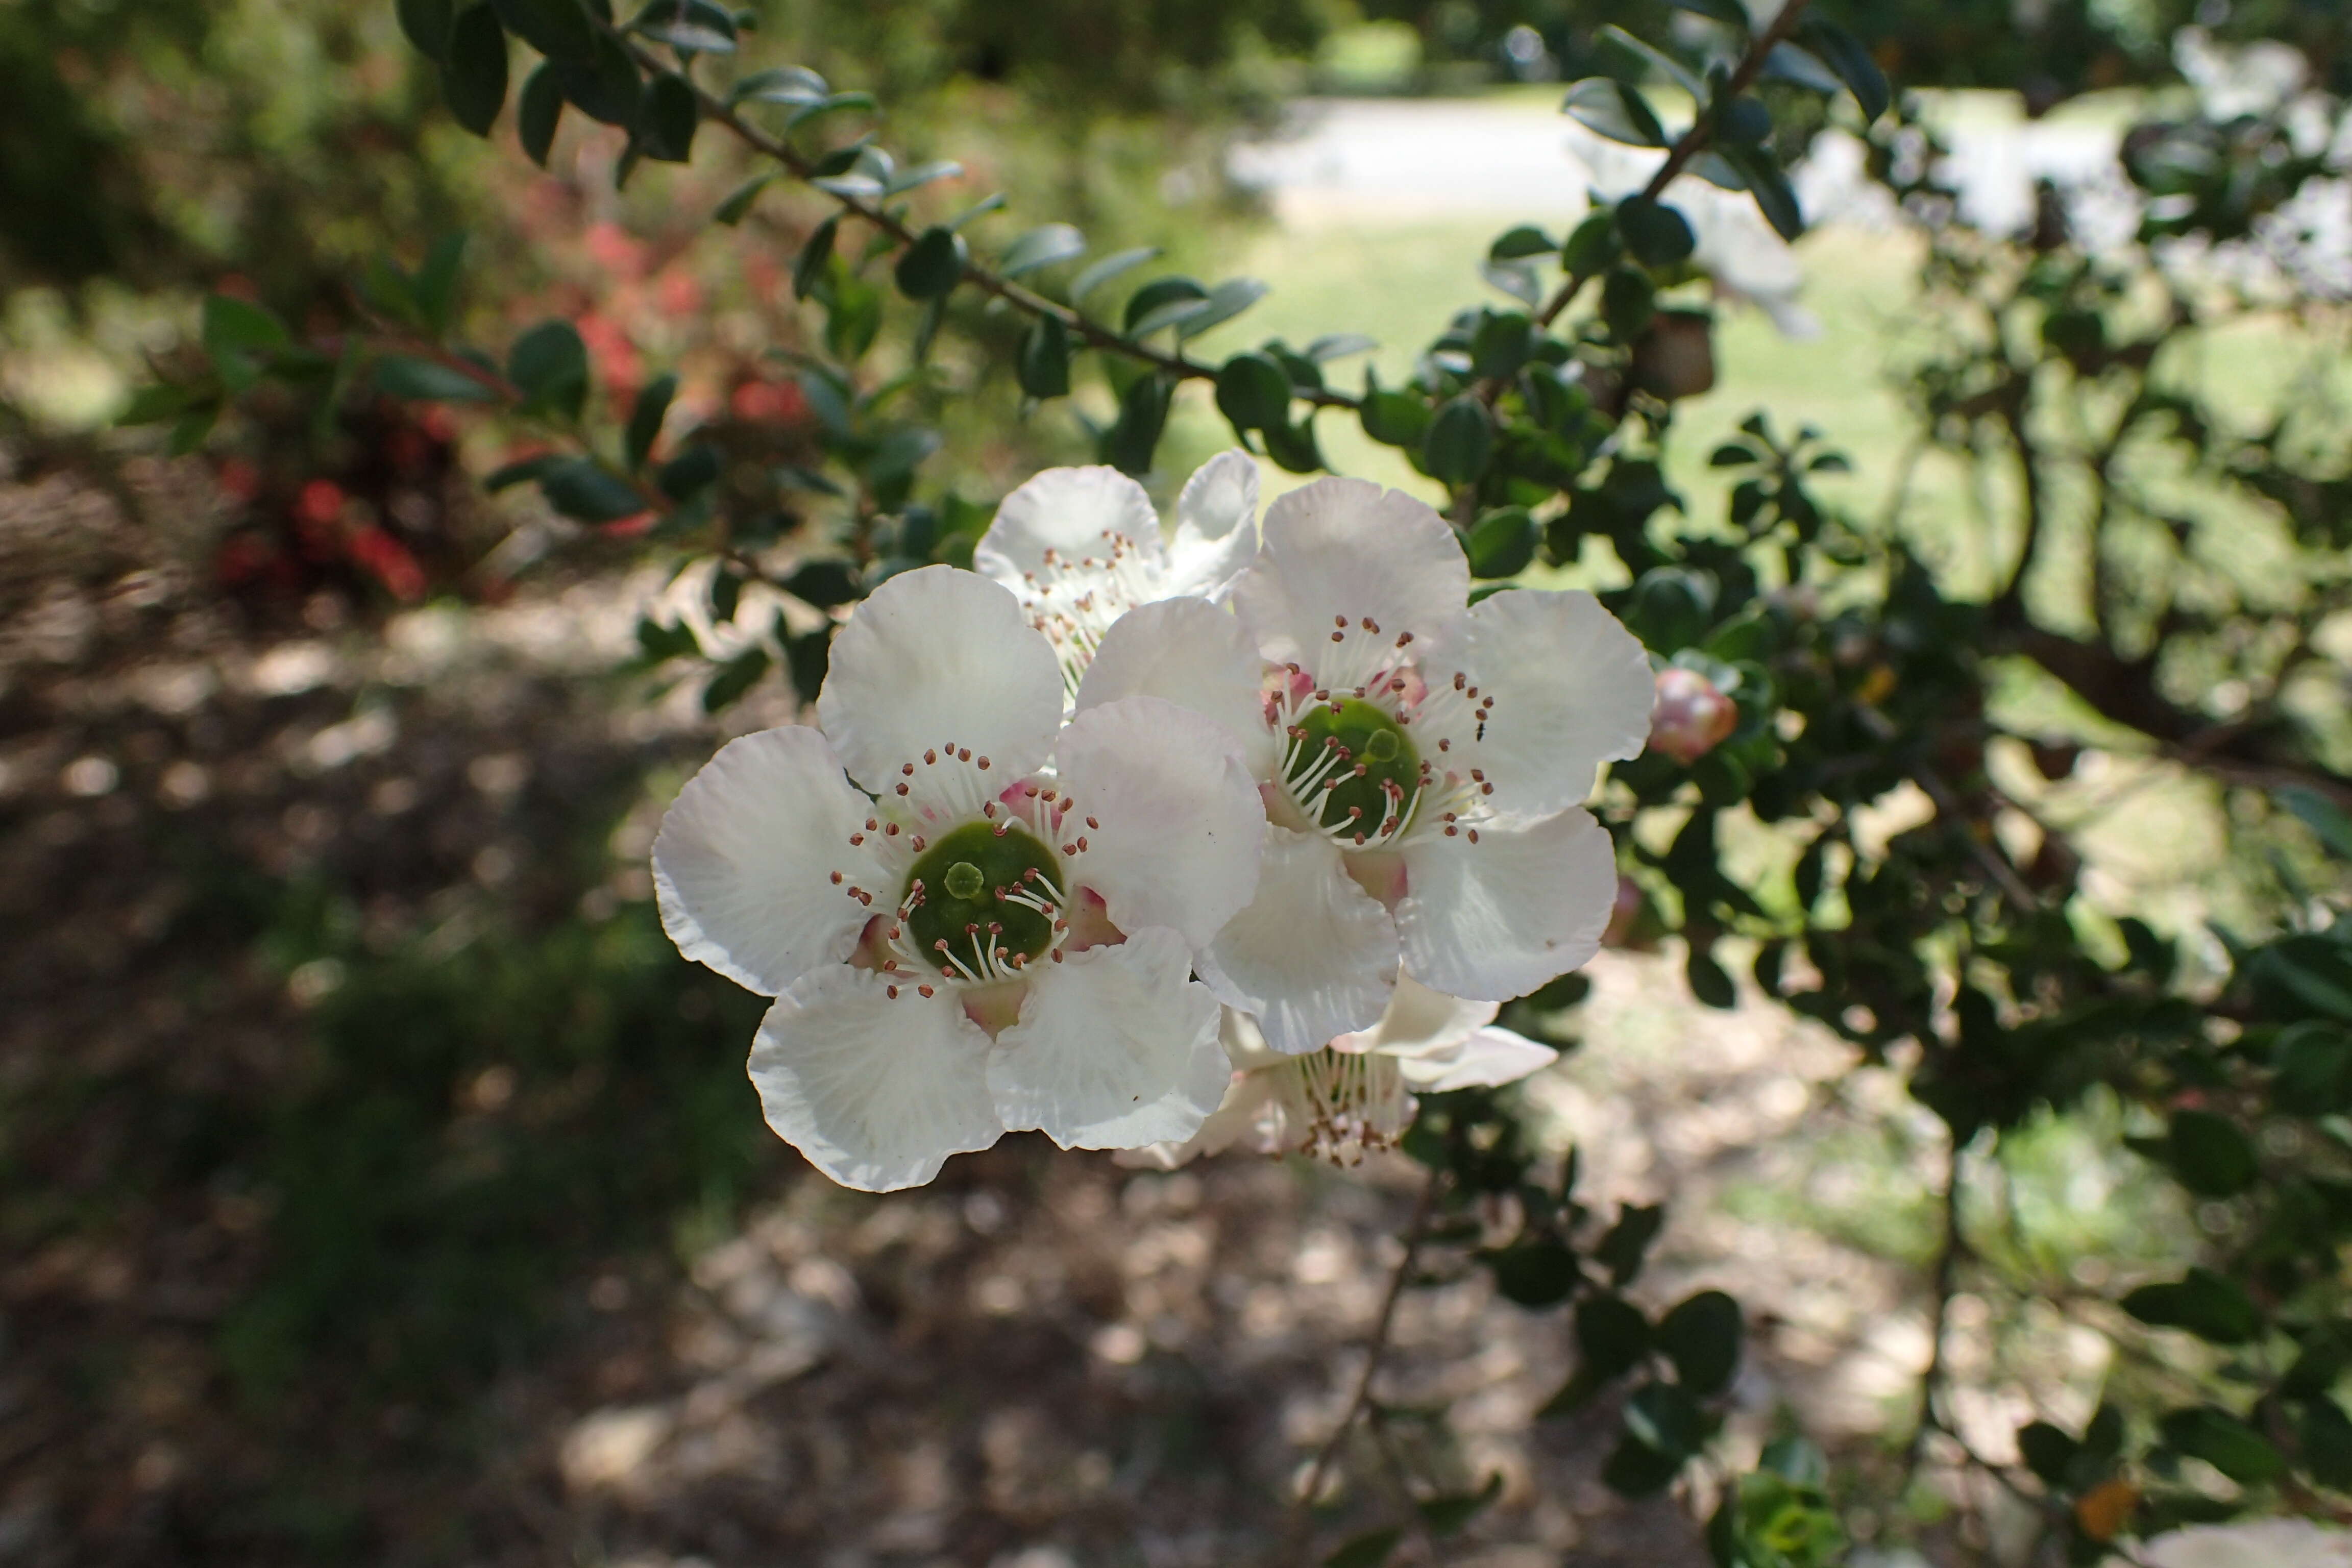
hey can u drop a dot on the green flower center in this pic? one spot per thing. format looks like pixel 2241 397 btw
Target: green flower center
pixel 985 896
pixel 1353 769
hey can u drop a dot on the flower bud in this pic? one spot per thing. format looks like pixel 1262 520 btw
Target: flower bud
pixel 1692 718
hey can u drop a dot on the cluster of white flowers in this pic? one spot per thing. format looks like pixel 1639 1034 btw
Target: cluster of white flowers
pixel 1118 828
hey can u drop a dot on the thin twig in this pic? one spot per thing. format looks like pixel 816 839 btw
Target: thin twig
pixel 1026 300
pixel 1948 1259
pixel 1692 141
pixel 1375 1349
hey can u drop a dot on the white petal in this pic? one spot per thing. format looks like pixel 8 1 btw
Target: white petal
pixel 1237 1116
pixel 1169 813
pixel 1067 511
pixel 1419 1019
pixel 1573 689
pixel 1313 956
pixel 938 658
pixel 1346 549
pixel 744 866
pixel 1216 526
pixel 1195 655
pixel 1117 1047
pixel 878 1091
pixel 1496 918
pixel 1487 1058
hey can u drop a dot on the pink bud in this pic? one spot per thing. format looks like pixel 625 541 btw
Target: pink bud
pixel 1692 718
pixel 1631 924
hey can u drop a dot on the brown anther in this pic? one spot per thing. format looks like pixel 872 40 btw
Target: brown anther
pixel 1403 637
pixel 866 897
pixel 930 757
pixel 1339 636
pixel 891 991
pixel 926 991
pixel 988 808
pixel 1444 744
pixel 983 764
pixel 1478 773
pixel 836 879
pixel 1371 626
pixel 965 755
pixel 1082 843
pixel 1340 622
pixel 1450 830
pixel 1058 956
pixel 892 831
pixel 871 825
pixel 1070 848
pixel 855 839
pixel 1486 789
pixel 1093 824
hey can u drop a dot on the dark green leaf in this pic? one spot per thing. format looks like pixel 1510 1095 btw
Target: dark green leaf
pixel 1636 1469
pixel 692 471
pixel 1708 980
pixel 536 114
pixel 1615 109
pixel 2326 1441
pixel 579 487
pixel 1460 442
pixel 1043 363
pixel 738 204
pixel 1535 1274
pixel 1657 235
pixel 1394 418
pixel 2314 1062
pixel 1627 302
pixel 188 432
pixel 1502 543
pixel 1041 248
pixel 726 594
pixel 660 642
pixel 1843 54
pixel 1225 300
pixel 697 27
pixel 1666 1417
pixel 1612 1337
pixel 604 85
pixel 1369 1550
pixel 1594 245
pixel 2322 816
pixel 1448 1514
pixel 1774 198
pixel 2047 1451
pixel 1730 12
pixel 549 363
pixel 1745 120
pixel 1621 1250
pixel 1294 446
pixel 1253 392
pixel 734 677
pixel 815 253
pixel 1516 244
pixel 933 265
pixel 512 474
pixel 1501 344
pixel 645 417
pixel 922 175
pixel 1109 268
pixel 810 657
pixel 234 329
pixel 473 77
pixel 426 24
pixel 1161 301
pixel 2201 1301
pixel 666 119
pixel 1787 62
pixel 560 30
pixel 1129 444
pixel 1339 345
pixel 1701 1337
pixel 1519 279
pixel 2224 1442
pixel 784 84
pixel 424 380
pixel 832 103
pixel 153 404
pixel 2212 1158
pixel 1665 64
pixel 824 584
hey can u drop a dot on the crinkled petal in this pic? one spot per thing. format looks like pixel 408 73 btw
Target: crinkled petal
pixel 1485 1058
pixel 1117 1047
pixel 937 658
pixel 876 1090
pixel 1170 814
pixel 1496 918
pixel 1313 956
pixel 1571 688
pixel 745 865
pixel 1068 512
pixel 1216 526
pixel 1347 551
pixel 1195 655
pixel 1419 1019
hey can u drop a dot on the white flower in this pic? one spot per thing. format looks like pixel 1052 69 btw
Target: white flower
pixel 2256 1544
pixel 1080 547
pixel 1356 1094
pixel 959 942
pixel 1422 760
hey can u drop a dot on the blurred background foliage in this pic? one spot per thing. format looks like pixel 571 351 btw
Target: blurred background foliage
pixel 356 1108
